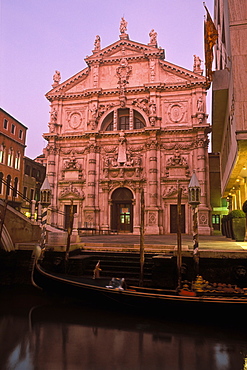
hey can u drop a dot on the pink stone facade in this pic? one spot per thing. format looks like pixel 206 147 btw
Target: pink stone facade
pixel 129 120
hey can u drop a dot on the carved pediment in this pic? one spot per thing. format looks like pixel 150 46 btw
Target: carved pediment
pixel 127 48
pixel 71 192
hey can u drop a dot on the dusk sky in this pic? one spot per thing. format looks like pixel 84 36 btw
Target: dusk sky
pixel 38 37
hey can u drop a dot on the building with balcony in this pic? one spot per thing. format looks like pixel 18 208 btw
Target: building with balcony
pixel 229 99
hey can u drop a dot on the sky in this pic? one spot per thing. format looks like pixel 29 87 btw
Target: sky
pixel 38 37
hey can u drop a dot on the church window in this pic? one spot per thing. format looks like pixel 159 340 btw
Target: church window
pixel 13 129
pixel 127 119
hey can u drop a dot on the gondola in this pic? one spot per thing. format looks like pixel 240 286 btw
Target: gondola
pixel 100 291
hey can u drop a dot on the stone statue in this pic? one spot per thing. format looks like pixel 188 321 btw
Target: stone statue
pixel 200 105
pixel 97 43
pixel 153 37
pixel 123 25
pixel 54 115
pixel 57 77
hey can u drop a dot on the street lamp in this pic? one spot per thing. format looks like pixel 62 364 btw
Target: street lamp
pixel 194 192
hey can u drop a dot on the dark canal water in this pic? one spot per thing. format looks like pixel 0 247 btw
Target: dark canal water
pixel 42 333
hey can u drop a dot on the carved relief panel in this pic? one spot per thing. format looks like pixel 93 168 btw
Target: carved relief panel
pixel 74 119
pixel 175 113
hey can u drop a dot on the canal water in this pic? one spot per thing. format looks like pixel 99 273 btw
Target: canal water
pixel 44 333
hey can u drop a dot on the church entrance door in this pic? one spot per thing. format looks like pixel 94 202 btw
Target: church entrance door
pixel 173 218
pixel 122 211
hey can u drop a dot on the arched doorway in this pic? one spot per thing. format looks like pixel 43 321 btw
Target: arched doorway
pixel 122 210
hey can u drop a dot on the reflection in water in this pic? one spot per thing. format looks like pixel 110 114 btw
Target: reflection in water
pixel 39 333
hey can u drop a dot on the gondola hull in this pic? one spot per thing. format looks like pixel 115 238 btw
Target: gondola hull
pixel 168 303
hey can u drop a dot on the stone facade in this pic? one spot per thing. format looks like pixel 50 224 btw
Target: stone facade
pixel 129 120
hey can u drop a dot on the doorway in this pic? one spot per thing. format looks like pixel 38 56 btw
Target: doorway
pixel 67 215
pixel 173 218
pixel 122 211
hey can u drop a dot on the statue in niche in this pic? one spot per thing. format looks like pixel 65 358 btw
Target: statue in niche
pixel 153 37
pixel 200 105
pixel 123 25
pixel 152 108
pixel 53 115
pixel 122 157
pixel 94 111
pixel 97 43
pixel 57 78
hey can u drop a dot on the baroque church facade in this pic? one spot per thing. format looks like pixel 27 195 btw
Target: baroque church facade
pixel 129 121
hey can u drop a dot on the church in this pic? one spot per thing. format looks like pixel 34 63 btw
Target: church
pixel 129 122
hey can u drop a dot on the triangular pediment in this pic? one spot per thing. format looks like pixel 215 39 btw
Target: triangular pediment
pixel 124 48
pixel 169 74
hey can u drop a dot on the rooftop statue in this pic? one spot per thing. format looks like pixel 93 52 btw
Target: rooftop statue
pixel 123 25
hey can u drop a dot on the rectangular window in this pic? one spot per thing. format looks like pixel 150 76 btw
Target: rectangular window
pixel 32 194
pixel 12 129
pixel 20 134
pixel 25 192
pixel 5 124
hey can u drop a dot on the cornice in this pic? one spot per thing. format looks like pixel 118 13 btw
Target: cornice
pixel 157 86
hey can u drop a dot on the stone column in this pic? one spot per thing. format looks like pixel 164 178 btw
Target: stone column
pixel 152 189
pixel 91 183
pixel 105 207
pixel 204 209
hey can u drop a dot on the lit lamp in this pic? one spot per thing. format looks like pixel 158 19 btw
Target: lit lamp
pixel 194 191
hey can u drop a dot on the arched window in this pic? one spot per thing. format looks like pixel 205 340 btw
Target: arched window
pixel 17 160
pixel 8 180
pixel 1 184
pixel 15 187
pixel 125 119
pixel 2 152
pixel 10 157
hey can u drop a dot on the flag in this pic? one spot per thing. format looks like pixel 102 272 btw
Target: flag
pixel 210 38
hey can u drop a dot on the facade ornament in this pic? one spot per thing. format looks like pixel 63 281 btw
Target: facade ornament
pixel 56 78
pixel 70 189
pixel 97 43
pixel 142 104
pixel 71 164
pixel 153 38
pixel 94 112
pixel 152 69
pixel 197 65
pixel 53 115
pixel 123 74
pixel 95 76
